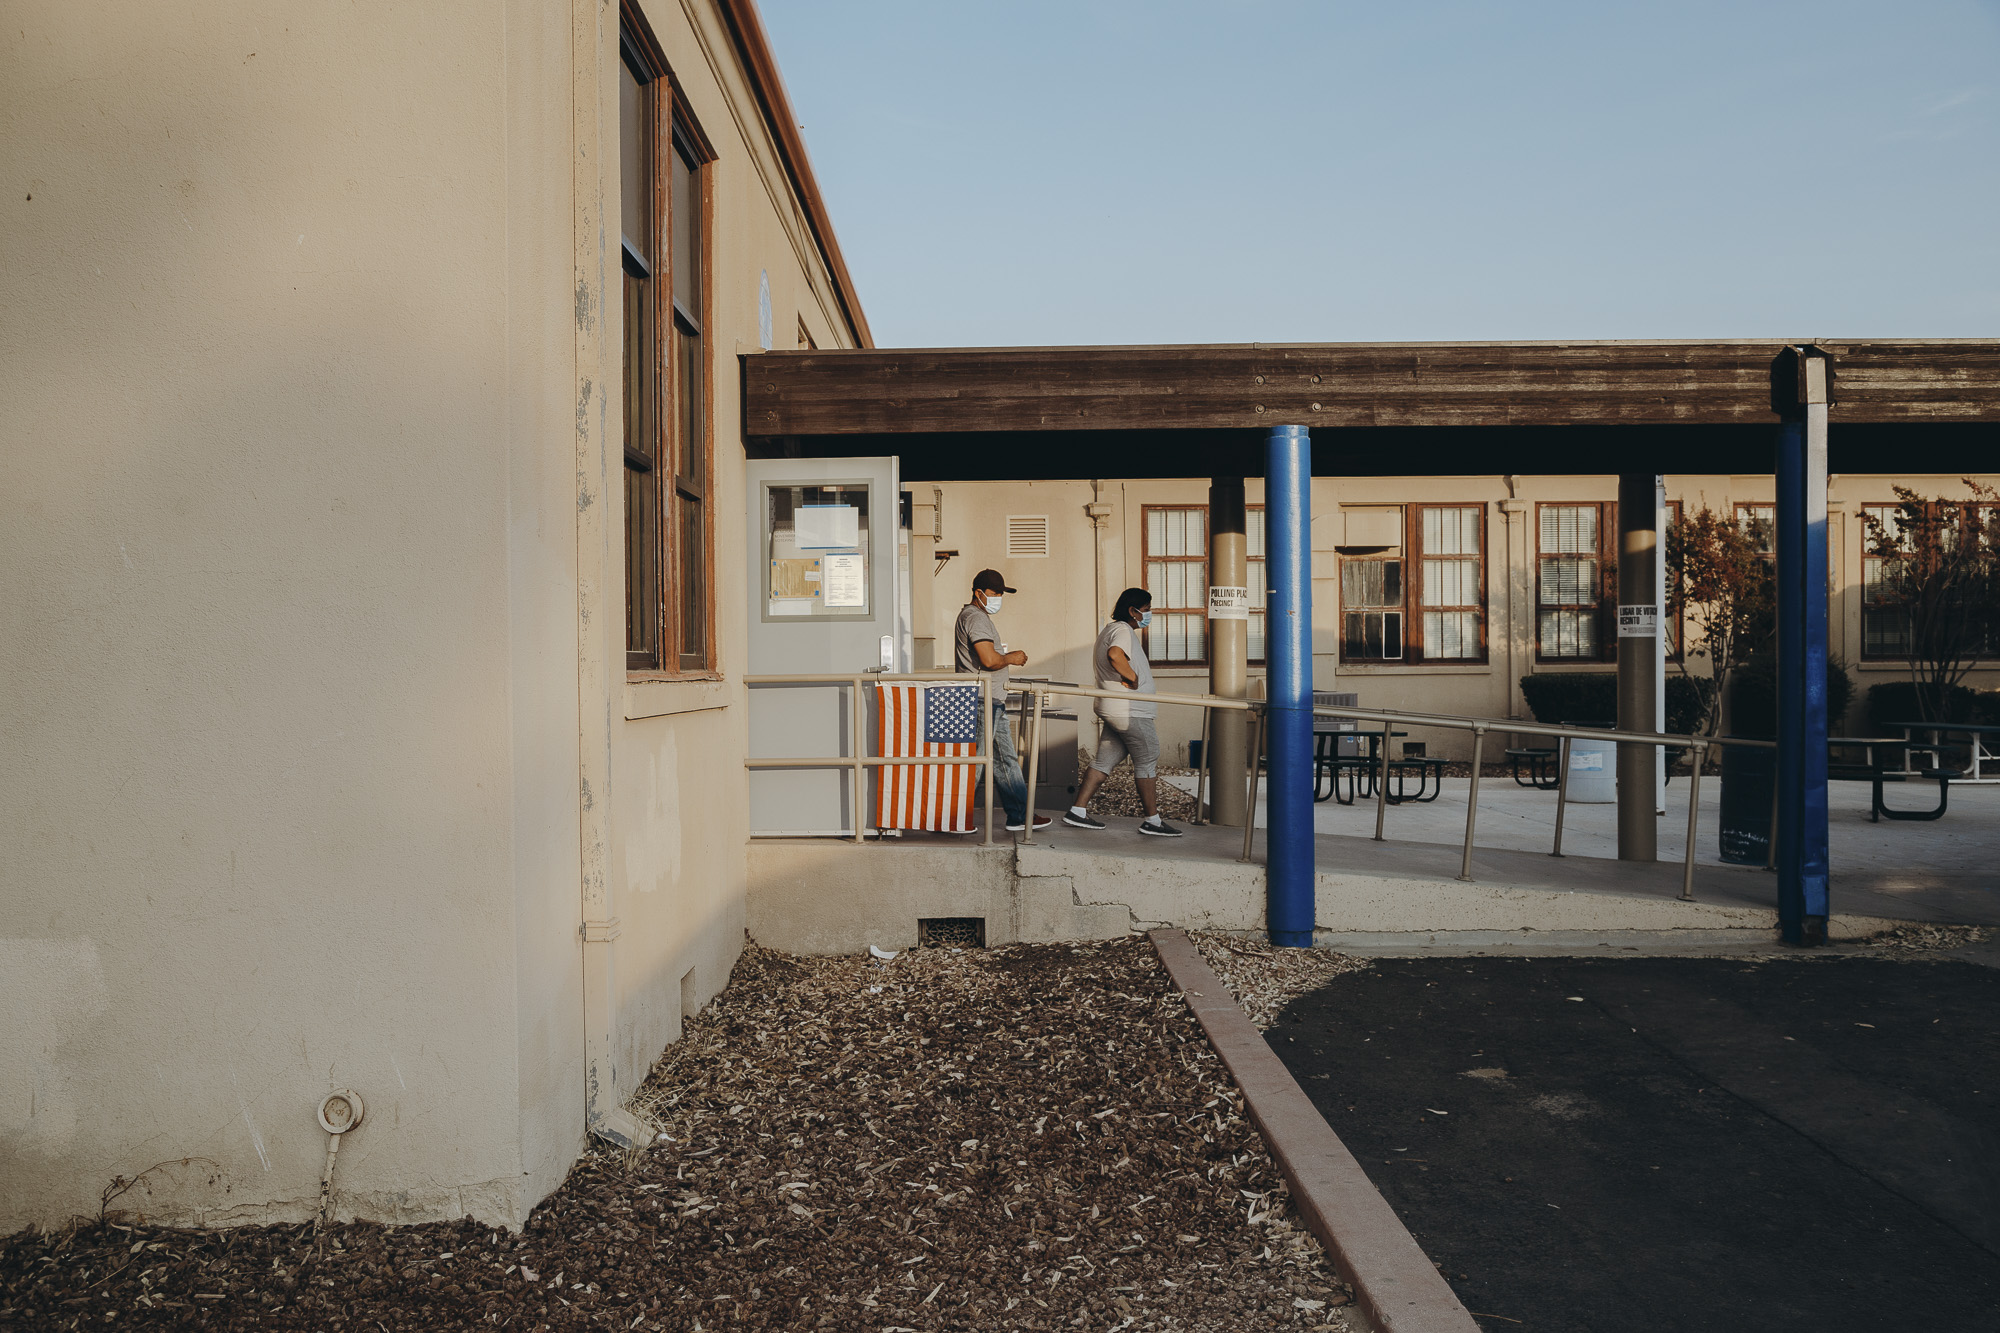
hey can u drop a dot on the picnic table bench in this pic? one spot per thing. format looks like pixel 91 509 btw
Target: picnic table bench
pixel 1543 774
pixel 1874 767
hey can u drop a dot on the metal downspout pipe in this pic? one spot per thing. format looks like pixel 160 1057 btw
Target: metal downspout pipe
pixel 1288 868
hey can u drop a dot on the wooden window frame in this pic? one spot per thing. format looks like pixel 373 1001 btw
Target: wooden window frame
pixel 1607 588
pixel 1868 556
pixel 1401 608
pixel 1679 622
pixel 1253 573
pixel 1146 559
pixel 1413 584
pixel 679 595
pixel 1742 510
pixel 1963 509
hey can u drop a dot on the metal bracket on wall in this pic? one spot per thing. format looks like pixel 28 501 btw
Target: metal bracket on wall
pixel 943 558
pixel 602 932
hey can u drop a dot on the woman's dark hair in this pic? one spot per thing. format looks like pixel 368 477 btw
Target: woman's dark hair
pixel 1131 597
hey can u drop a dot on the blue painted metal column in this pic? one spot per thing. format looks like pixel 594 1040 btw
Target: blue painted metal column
pixel 1288 841
pixel 1802 650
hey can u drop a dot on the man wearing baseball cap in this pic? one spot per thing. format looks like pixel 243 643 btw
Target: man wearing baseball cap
pixel 976 647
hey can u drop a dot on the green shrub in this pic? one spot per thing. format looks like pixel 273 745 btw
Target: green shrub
pixel 1896 701
pixel 1572 696
pixel 1592 697
pixel 1753 696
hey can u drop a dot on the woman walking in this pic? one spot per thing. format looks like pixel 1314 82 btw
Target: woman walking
pixel 1120 662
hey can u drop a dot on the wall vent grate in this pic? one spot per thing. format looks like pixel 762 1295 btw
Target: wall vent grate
pixel 1027 536
pixel 951 932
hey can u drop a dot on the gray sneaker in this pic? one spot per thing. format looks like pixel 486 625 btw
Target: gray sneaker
pixel 1075 820
pixel 1160 830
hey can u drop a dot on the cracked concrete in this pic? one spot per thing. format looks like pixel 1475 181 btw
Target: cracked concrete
pixel 827 897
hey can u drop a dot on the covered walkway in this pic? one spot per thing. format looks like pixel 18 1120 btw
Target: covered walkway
pixel 1428 409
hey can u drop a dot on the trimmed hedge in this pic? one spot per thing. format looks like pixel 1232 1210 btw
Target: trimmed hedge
pixel 1896 701
pixel 1592 696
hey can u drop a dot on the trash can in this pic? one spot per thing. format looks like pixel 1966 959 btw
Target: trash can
pixel 1593 768
pixel 1748 776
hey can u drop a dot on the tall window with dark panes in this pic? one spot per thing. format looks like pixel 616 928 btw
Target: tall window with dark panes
pixel 667 463
pixel 1571 577
pixel 641 259
pixel 1885 621
pixel 689 444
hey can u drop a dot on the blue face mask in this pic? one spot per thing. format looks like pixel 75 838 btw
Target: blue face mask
pixel 1145 617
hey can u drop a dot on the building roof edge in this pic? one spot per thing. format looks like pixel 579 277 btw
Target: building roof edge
pixel 746 28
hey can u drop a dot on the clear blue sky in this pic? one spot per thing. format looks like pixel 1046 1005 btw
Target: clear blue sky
pixel 1251 170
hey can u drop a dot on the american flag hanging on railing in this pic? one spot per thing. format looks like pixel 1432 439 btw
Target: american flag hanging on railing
pixel 925 721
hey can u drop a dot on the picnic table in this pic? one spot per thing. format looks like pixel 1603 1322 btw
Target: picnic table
pixel 1977 747
pixel 1347 778
pixel 1543 774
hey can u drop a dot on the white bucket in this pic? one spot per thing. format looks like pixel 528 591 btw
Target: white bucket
pixel 1593 772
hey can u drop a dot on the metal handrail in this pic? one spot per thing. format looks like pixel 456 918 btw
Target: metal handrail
pixel 1040 690
pixel 859 763
pixel 1478 726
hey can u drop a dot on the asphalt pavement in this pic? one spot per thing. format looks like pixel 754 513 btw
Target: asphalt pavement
pixel 1808 1143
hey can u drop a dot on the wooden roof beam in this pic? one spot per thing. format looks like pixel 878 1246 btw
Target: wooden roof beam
pixel 904 391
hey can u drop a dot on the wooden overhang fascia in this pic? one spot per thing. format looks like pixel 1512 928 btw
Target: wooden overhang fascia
pixel 1039 389
pixel 746 29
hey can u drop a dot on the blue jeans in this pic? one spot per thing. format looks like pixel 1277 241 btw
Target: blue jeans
pixel 1010 786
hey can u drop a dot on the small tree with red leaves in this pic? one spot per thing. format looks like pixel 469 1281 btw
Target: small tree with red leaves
pixel 1720 587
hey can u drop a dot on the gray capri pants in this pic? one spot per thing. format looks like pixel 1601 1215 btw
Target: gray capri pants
pixel 1138 738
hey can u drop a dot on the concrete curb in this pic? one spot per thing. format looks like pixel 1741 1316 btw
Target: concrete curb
pixel 1394 1282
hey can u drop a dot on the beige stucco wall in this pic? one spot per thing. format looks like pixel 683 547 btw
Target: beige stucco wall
pixel 305 375
pixel 679 794
pixel 1055 615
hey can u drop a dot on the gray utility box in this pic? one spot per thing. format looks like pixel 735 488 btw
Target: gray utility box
pixel 1347 747
pixel 1058 770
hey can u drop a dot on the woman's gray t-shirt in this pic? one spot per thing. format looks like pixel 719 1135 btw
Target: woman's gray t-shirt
pixel 1119 634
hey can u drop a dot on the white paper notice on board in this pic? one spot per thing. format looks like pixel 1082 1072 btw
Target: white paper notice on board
pixel 823 526
pixel 1226 603
pixel 843 581
pixel 1639 622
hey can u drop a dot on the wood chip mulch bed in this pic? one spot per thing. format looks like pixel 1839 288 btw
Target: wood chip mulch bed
pixel 1265 979
pixel 1925 938
pixel 1031 1137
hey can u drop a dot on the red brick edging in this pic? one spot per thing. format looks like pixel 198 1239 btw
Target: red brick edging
pixel 1394 1282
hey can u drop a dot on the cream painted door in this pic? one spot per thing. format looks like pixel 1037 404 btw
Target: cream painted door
pixel 826 598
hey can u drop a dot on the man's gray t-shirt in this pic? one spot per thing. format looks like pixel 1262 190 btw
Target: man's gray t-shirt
pixel 973 625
